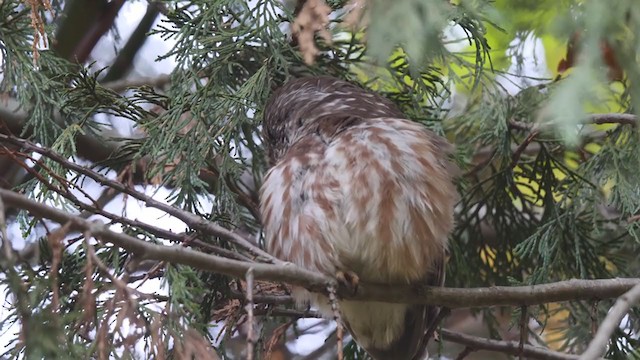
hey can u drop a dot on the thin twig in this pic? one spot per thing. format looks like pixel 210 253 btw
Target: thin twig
pixel 463 354
pixel 121 85
pixel 598 346
pixel 521 148
pixel 505 347
pixel 431 331
pixel 249 308
pixel 194 221
pixel 270 299
pixel 333 300
pixel 596 119
pixel 613 118
pixel 524 330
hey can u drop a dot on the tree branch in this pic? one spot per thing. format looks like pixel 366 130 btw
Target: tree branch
pixel 472 343
pixel 598 345
pixel 123 61
pixel 107 195
pixel 192 220
pixel 122 85
pixel 89 147
pixel 569 290
pixel 506 347
pixel 614 118
pixel 596 119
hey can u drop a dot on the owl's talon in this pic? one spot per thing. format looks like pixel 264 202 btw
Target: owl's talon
pixel 349 279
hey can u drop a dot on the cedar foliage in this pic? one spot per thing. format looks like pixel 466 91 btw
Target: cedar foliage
pixel 547 193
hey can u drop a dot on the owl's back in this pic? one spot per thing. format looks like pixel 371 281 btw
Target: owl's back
pixel 363 192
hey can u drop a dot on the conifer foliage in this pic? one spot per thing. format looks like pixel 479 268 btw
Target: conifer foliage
pixel 540 98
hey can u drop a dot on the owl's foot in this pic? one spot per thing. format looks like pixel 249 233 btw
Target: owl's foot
pixel 349 279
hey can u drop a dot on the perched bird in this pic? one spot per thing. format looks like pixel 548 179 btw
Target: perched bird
pixel 359 192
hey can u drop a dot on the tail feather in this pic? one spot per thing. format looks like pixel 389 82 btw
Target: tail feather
pixel 412 344
pixel 419 323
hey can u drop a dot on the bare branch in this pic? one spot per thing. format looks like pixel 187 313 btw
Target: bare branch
pixel 454 298
pixel 598 345
pixel 450 297
pixel 337 318
pixel 175 254
pixel 623 119
pixel 122 85
pixel 596 119
pixel 505 347
pixel 464 353
pixel 250 319
pixel 192 220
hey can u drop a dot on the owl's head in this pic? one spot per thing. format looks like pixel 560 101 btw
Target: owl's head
pixel 295 109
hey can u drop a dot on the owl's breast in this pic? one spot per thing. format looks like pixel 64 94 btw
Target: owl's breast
pixel 377 200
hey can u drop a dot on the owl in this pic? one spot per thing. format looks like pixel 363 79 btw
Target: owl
pixel 357 191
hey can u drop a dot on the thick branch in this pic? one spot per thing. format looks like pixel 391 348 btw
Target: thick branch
pixel 624 119
pixel 102 24
pixel 89 147
pixel 123 61
pixel 14 120
pixel 450 297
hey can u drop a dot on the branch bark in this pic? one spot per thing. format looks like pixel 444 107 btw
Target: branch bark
pixel 596 119
pixel 286 272
pixel 598 345
pixel 506 347
pixel 89 147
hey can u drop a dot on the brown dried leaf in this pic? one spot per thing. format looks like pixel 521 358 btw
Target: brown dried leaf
pixel 231 309
pixel 87 298
pixel 38 24
pixel 55 242
pixel 194 346
pixel 157 341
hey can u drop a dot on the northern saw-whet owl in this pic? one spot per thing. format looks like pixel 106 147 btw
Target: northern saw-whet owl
pixel 358 191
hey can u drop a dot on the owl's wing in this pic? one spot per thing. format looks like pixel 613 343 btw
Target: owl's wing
pixel 318 204
pixel 299 198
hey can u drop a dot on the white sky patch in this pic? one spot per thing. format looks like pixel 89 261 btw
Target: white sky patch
pixel 315 332
pixel 455 38
pixel 145 63
pixel 528 64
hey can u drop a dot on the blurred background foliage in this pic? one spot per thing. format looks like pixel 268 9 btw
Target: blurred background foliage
pixel 540 98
